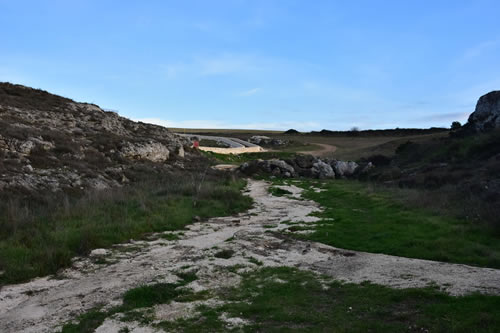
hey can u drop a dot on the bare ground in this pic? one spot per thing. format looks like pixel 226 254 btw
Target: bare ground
pixel 44 304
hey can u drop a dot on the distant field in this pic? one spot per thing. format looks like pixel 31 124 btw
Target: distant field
pixel 354 148
pixel 223 132
pixel 348 147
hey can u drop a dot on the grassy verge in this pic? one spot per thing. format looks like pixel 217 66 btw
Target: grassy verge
pixel 34 245
pixel 359 218
pixel 286 299
pixel 241 158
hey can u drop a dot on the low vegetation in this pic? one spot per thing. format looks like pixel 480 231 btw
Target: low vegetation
pixel 278 192
pixel 36 241
pixel 461 170
pixel 136 299
pixel 241 158
pixel 213 143
pixel 286 299
pixel 364 218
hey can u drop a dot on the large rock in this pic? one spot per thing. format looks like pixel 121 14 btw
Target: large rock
pixel 305 161
pixel 486 116
pixel 322 170
pixel 344 169
pixel 282 165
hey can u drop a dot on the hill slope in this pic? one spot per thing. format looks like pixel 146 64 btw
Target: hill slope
pixel 51 143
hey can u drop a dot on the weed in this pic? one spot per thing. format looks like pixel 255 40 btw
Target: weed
pixel 224 254
pixel 255 261
pixel 170 236
pixel 278 192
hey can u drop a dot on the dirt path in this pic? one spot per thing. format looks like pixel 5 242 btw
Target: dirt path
pixel 325 149
pixel 44 304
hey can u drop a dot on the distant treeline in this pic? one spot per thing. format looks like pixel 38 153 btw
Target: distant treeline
pixel 384 132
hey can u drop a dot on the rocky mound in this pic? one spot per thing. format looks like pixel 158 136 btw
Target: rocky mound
pixel 305 166
pixel 267 141
pixel 486 116
pixel 52 143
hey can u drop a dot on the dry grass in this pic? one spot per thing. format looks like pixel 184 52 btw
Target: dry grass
pixel 39 239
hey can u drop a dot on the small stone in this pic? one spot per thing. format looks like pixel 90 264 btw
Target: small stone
pixel 99 253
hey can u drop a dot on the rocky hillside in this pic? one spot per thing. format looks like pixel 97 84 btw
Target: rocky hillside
pixel 51 143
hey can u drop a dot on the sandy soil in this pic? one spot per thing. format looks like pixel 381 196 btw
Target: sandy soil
pixel 43 304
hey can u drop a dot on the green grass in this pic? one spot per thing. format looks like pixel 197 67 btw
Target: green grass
pixel 289 300
pixel 135 300
pixel 278 192
pixel 47 243
pixel 224 254
pixel 373 221
pixel 241 158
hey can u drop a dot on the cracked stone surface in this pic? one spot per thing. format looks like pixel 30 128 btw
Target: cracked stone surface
pixel 44 304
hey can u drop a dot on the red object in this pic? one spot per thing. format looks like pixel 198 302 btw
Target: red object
pixel 196 144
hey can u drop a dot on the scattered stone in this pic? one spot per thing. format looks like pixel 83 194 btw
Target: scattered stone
pixel 267 141
pixel 99 253
pixel 303 166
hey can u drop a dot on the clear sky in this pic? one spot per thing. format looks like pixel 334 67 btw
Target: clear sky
pixel 266 64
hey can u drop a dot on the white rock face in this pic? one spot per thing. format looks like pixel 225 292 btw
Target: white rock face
pixel 153 151
pixel 487 114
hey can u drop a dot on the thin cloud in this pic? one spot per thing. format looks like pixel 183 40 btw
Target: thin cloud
pixel 445 116
pixel 249 92
pixel 226 64
pixel 479 49
pixel 173 70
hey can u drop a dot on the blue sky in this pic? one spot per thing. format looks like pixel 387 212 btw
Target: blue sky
pixel 265 64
